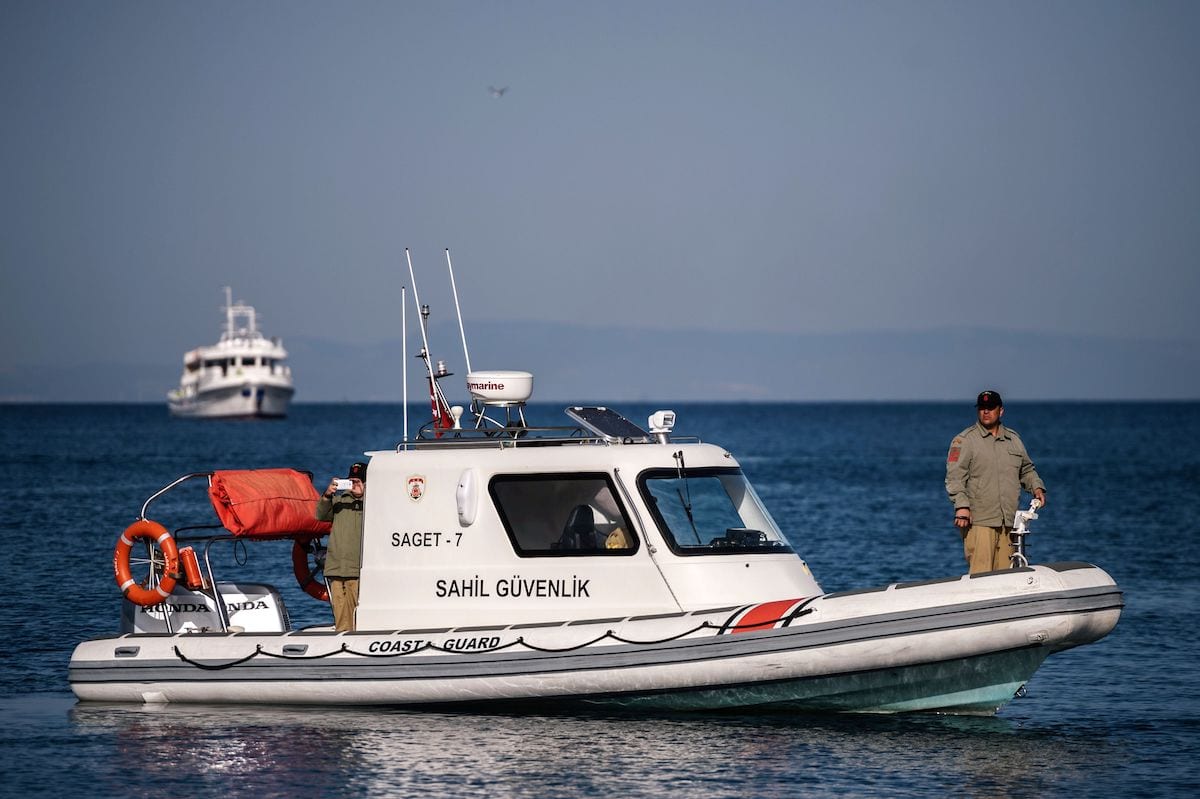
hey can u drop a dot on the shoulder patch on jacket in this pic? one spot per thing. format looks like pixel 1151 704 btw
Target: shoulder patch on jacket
pixel 955 450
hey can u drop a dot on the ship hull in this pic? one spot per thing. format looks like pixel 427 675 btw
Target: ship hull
pixel 958 646
pixel 249 400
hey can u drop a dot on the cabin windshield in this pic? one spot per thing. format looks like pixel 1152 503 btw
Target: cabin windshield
pixel 710 512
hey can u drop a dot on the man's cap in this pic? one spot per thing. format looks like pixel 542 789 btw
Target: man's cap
pixel 989 399
pixel 358 470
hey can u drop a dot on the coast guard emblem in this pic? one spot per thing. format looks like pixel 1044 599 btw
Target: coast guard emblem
pixel 416 487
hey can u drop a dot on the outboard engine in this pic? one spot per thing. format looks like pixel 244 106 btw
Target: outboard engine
pixel 251 608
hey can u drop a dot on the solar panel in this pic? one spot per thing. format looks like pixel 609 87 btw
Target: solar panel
pixel 607 424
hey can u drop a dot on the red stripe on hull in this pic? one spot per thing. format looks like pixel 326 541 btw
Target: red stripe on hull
pixel 765 616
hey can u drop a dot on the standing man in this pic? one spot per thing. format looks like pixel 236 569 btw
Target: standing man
pixel 986 468
pixel 342 504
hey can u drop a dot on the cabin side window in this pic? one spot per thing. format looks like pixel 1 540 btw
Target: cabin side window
pixel 562 515
pixel 218 363
pixel 710 512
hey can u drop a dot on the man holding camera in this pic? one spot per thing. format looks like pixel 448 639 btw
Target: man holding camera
pixel 342 504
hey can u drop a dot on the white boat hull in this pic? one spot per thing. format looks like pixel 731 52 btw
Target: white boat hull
pixel 246 400
pixel 962 645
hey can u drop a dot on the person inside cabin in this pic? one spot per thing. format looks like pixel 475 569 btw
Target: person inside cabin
pixel 342 504
pixel 986 468
pixel 617 539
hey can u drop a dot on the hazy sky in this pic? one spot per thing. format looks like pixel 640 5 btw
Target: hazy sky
pixel 794 167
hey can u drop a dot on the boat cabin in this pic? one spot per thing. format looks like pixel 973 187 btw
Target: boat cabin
pixel 525 524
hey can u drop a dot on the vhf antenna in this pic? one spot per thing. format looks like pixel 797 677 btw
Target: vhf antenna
pixel 404 357
pixel 458 310
pixel 442 418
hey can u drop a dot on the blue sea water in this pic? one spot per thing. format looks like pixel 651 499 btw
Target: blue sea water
pixel 857 488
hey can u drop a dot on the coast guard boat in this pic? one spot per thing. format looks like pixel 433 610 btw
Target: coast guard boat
pixel 598 563
pixel 243 376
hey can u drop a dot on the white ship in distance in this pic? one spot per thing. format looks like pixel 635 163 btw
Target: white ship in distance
pixel 243 376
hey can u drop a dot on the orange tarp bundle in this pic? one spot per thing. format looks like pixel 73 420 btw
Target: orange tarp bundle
pixel 266 502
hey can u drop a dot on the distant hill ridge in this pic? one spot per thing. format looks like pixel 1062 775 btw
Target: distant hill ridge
pixel 589 364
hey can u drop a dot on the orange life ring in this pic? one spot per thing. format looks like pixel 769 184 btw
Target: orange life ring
pixel 155 532
pixel 304 574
